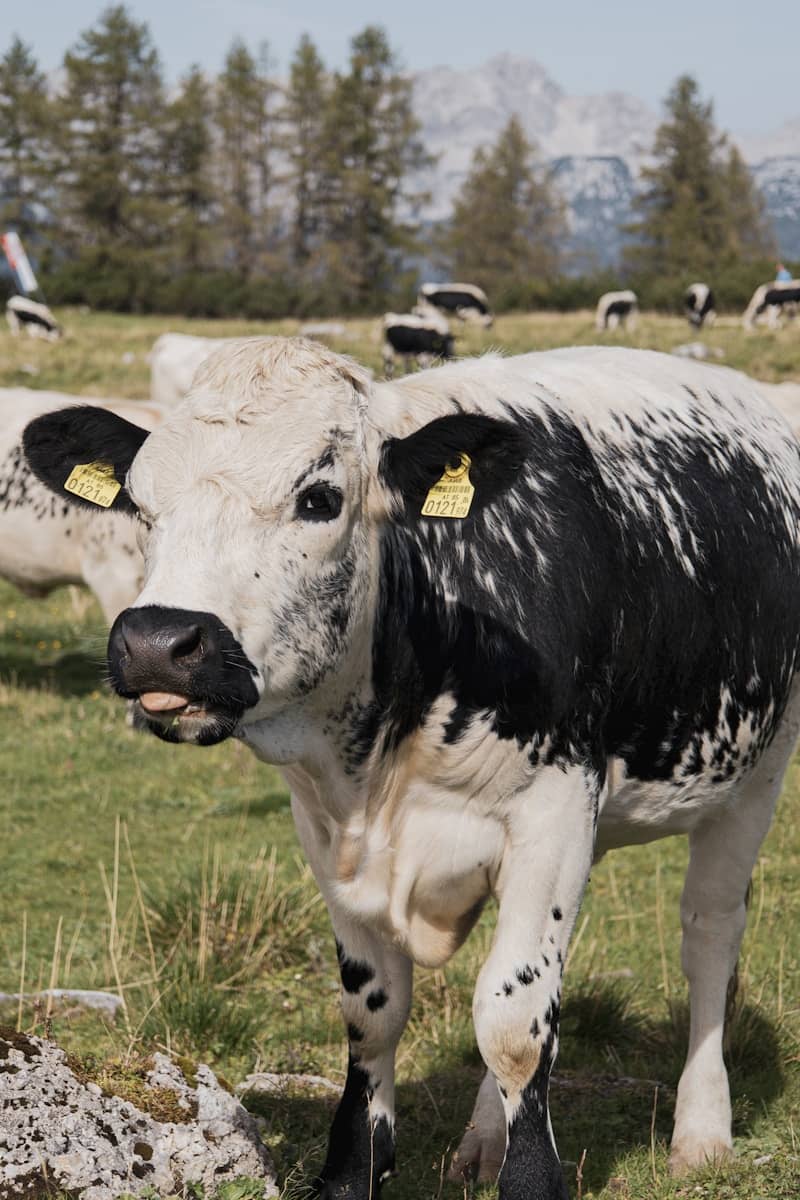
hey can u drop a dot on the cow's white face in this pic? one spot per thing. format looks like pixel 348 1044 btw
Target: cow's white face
pixel 251 504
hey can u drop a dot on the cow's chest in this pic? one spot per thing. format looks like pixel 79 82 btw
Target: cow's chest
pixel 420 871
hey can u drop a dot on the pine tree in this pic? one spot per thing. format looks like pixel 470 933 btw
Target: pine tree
pixel 188 173
pixel 507 221
pixel 303 117
pixel 244 120
pixel 111 145
pixel 371 146
pixel 690 218
pixel 24 112
pixel 749 234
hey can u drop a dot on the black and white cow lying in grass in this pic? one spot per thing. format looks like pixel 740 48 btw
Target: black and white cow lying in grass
pixel 419 337
pixel 616 309
pixel 36 319
pixel 771 302
pixel 462 300
pixel 699 304
pixel 44 540
pixel 601 649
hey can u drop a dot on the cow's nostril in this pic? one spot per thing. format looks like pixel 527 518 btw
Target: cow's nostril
pixel 187 643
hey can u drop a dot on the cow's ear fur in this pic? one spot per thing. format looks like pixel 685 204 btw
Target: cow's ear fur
pixel 57 441
pixel 410 466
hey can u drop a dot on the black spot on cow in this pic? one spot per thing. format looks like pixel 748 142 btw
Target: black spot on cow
pixel 354 974
pixel 376 1000
pixel 508 988
pixel 557 913
pixel 524 975
pixel 354 1033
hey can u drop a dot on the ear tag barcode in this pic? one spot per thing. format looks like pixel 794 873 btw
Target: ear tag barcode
pixel 94 482
pixel 452 495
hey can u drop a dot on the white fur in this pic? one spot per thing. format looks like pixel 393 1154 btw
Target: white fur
pixel 41 545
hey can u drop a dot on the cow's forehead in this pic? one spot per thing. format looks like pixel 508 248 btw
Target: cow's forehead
pixel 260 414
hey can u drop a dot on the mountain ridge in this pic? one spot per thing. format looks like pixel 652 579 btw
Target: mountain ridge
pixel 595 146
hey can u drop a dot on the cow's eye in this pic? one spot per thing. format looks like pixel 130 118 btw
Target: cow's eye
pixel 319 503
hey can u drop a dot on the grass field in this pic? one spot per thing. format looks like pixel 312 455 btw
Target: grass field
pixel 174 875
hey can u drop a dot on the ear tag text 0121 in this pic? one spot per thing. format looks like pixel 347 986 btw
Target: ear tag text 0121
pixel 451 496
pixel 94 482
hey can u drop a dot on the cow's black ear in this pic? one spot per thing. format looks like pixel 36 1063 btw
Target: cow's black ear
pixel 57 442
pixel 497 449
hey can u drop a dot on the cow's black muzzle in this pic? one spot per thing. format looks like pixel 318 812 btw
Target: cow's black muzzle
pixel 189 675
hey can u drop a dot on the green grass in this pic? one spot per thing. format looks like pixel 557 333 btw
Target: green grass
pixel 174 873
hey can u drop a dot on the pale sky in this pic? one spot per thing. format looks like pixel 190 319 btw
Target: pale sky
pixel 746 56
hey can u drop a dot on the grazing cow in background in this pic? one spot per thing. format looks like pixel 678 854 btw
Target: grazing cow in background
pixel 616 309
pixel 773 301
pixel 36 319
pixel 174 359
pixel 699 304
pixel 421 336
pixel 462 300
pixel 44 540
pixel 492 621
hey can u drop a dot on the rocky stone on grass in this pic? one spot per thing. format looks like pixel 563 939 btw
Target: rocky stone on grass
pixel 63 1128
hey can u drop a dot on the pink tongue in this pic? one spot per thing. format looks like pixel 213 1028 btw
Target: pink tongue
pixel 162 701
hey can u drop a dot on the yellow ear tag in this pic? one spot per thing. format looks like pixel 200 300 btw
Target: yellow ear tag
pixel 94 482
pixel 452 495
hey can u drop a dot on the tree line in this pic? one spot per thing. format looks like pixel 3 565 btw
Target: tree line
pixel 265 195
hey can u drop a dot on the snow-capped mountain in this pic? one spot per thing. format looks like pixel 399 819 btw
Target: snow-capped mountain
pixel 595 146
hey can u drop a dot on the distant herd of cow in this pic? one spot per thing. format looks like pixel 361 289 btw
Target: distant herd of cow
pixel 424 334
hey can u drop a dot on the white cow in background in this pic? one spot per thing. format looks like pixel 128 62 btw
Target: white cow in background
pixel 771 302
pixel 34 318
pixel 616 309
pixel 173 361
pixel 46 542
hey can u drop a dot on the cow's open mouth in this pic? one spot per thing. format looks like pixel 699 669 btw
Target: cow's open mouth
pixel 178 718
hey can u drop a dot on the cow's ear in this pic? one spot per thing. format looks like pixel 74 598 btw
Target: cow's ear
pixel 58 442
pixel 496 449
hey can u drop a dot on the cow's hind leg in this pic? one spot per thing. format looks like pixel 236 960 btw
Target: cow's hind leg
pixel 713 911
pixel 481 1150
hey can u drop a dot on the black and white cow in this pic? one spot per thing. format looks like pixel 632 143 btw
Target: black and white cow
pixel 615 309
pixel 772 301
pixel 462 300
pixel 45 541
pixel 36 319
pixel 420 337
pixel 699 304
pixel 603 650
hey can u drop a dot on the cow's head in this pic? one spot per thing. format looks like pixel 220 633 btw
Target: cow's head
pixel 259 502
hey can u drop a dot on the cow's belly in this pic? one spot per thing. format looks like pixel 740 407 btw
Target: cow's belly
pixel 634 811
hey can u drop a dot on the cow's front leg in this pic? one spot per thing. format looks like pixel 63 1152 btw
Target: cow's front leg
pixel 376 997
pixel 517 999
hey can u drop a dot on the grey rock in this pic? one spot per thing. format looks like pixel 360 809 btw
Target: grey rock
pixel 60 998
pixel 97 1146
